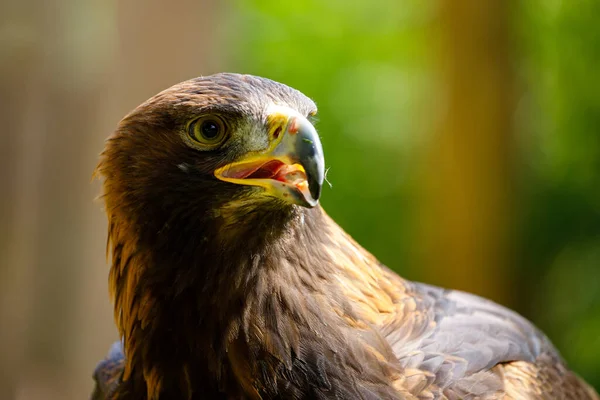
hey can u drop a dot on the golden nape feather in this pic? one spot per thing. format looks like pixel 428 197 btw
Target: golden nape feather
pixel 229 281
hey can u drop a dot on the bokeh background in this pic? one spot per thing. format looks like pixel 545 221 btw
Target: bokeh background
pixel 462 140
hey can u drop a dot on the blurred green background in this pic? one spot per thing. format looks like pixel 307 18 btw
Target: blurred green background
pixel 462 140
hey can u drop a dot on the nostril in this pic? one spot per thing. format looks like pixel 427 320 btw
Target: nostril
pixel 277 133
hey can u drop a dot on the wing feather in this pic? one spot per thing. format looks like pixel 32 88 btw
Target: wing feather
pixel 108 373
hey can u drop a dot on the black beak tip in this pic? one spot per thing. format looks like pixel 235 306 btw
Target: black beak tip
pixel 309 153
pixel 315 191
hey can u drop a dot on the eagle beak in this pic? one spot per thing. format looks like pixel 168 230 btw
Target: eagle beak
pixel 292 168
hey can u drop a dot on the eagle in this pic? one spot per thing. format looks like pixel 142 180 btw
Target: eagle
pixel 230 281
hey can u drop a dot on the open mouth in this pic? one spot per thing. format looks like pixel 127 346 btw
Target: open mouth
pixel 291 168
pixel 276 170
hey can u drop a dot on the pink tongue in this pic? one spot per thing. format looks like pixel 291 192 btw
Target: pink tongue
pixel 273 169
pixel 254 171
pixel 265 171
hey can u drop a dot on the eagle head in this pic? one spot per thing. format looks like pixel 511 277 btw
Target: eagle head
pixel 223 145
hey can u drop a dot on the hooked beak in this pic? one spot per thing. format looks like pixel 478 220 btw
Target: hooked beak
pixel 291 169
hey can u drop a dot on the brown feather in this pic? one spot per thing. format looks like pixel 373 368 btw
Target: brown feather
pixel 219 293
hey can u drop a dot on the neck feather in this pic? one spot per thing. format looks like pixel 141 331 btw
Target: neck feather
pixel 183 294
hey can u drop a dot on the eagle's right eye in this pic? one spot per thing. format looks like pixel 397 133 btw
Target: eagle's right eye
pixel 209 131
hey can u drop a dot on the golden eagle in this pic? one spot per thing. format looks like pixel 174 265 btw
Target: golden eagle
pixel 231 282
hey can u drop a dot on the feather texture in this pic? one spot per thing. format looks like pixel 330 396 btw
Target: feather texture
pixel 221 294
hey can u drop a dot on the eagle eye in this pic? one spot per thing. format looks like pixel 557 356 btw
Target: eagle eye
pixel 209 131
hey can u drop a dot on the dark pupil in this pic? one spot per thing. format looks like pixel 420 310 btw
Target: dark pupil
pixel 209 129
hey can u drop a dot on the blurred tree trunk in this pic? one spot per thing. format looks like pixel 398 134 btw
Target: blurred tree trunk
pixel 71 71
pixel 17 59
pixel 466 210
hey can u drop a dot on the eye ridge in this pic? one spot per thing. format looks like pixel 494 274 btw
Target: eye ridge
pixel 208 131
